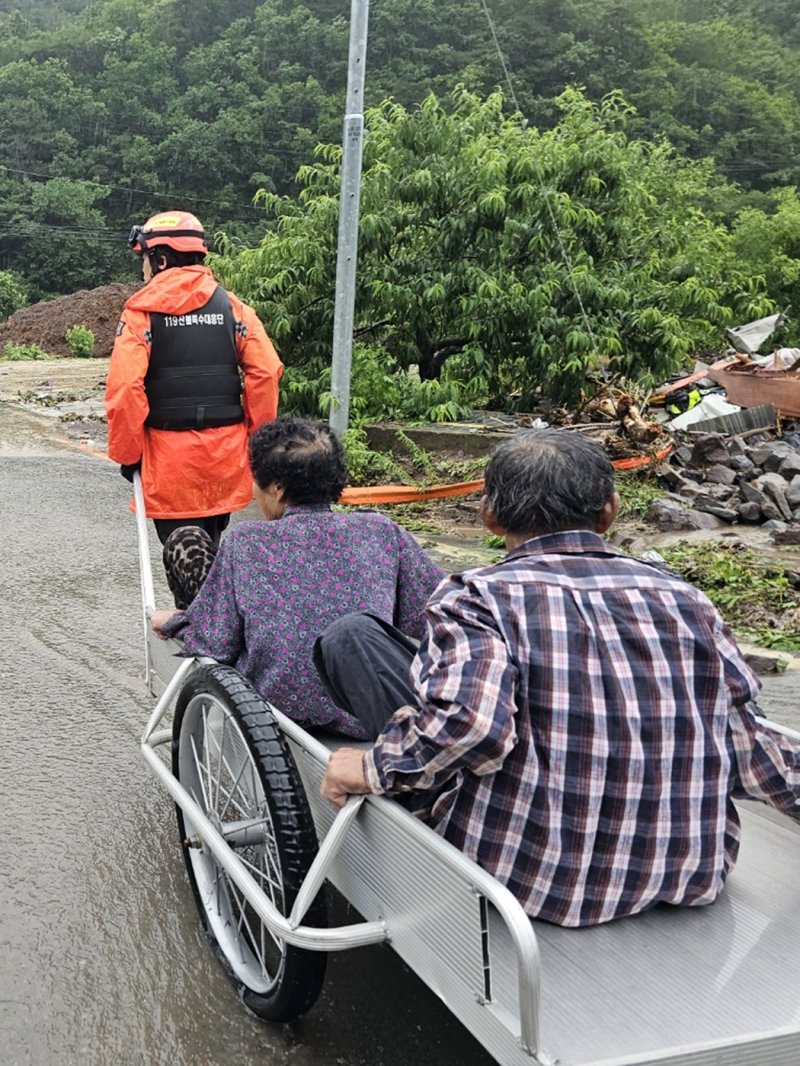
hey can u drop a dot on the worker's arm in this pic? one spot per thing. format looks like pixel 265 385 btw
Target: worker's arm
pixel 260 364
pixel 125 398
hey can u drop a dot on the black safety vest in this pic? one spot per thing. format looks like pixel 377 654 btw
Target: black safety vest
pixel 193 381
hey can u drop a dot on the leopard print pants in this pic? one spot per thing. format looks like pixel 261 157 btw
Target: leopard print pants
pixel 188 554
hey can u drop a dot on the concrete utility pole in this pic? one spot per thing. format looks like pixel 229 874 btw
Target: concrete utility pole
pixel 347 250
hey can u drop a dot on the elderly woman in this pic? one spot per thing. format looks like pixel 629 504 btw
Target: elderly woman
pixel 275 585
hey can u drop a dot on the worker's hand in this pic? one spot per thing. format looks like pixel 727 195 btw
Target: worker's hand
pixel 344 776
pixel 129 469
pixel 158 620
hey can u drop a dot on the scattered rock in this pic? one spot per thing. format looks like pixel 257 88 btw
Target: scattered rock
pixel 745 466
pixel 786 536
pixel 673 513
pixel 749 512
pixel 733 479
pixel 793 492
pixel 790 467
pixel 774 487
pixel 709 448
pixel 775 526
pixel 765 664
pixel 720 475
pixel 759 453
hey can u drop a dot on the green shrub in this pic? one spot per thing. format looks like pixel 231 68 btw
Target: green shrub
pixel 365 466
pixel 22 352
pixel 637 490
pixel 81 342
pixel 12 293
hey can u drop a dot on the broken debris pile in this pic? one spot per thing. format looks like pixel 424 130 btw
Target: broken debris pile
pixel 715 479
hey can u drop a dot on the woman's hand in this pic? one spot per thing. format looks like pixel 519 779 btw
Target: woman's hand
pixel 158 620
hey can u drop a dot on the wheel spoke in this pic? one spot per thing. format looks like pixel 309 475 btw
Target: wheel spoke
pixel 233 787
pixel 220 746
pixel 241 903
pixel 200 776
pixel 263 877
pixel 272 861
pixel 247 762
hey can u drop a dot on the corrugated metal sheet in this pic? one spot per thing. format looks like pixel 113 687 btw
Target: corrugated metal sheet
pixel 762 417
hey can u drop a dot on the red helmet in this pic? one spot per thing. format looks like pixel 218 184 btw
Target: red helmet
pixel 177 229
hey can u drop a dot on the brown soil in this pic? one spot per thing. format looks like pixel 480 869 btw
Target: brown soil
pixel 46 323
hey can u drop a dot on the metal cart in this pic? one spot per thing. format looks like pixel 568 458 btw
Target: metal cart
pixel 712 985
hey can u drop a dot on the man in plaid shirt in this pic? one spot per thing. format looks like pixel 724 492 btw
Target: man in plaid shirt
pixel 578 720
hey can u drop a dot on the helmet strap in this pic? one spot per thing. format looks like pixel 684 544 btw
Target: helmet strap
pixel 153 255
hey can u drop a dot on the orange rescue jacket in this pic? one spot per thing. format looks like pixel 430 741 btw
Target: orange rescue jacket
pixel 187 473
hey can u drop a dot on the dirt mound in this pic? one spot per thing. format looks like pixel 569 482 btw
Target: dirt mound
pixel 46 323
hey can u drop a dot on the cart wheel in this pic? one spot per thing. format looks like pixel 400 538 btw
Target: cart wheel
pixel 230 756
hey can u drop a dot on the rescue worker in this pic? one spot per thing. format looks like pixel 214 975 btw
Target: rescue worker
pixel 176 407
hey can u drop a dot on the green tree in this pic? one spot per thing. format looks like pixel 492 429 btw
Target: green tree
pixel 12 294
pixel 769 242
pixel 501 258
pixel 57 231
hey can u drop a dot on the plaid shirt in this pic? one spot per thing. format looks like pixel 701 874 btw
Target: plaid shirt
pixel 584 719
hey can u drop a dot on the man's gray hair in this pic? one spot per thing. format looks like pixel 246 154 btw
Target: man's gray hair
pixel 545 480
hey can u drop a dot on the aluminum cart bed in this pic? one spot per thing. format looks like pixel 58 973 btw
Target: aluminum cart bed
pixel 712 985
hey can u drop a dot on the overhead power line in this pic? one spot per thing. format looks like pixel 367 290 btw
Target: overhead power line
pixel 540 176
pixel 173 197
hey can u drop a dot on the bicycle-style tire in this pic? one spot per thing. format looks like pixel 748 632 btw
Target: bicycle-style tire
pixel 230 755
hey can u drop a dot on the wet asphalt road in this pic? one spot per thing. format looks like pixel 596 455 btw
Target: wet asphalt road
pixel 102 960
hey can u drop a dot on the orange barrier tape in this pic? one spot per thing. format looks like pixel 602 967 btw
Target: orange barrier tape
pixel 641 460
pixel 373 494
pixel 406 493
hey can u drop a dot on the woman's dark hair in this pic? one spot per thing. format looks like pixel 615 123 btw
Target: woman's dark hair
pixel 546 480
pixel 304 458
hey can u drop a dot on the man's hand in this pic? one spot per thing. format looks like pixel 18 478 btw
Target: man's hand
pixel 344 776
pixel 158 619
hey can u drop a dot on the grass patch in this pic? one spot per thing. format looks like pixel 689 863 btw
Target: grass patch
pixel 754 596
pixel 637 490
pixel 409 464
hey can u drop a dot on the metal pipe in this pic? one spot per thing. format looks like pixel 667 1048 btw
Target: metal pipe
pixel 349 197
pixel 328 850
pixel 166 699
pixel 145 569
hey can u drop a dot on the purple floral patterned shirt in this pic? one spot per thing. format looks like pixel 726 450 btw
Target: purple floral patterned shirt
pixel 274 586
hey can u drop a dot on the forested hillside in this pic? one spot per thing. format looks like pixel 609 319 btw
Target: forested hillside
pixel 116 108
pixel 112 110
